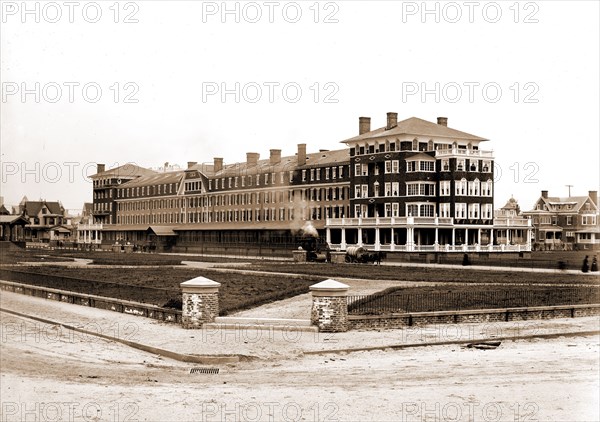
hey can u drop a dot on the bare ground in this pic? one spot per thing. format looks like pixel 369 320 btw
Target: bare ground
pixel 92 379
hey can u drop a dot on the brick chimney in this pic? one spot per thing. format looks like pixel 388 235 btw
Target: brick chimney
pixel 301 154
pixel 364 125
pixel 100 168
pixel 594 196
pixel 275 157
pixel 545 194
pixel 442 121
pixel 191 164
pixel 217 164
pixel 252 158
pixel 392 120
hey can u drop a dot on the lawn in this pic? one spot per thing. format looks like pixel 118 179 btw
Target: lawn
pixel 441 275
pixel 161 286
pixel 457 297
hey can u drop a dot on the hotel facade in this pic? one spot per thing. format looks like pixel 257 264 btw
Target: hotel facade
pixel 412 185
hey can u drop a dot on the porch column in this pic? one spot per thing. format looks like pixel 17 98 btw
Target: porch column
pixel 392 242
pixel 479 236
pixel 377 242
pixel 466 237
pixel 410 238
pixel 328 235
pixel 453 236
pixel 360 242
pixel 343 244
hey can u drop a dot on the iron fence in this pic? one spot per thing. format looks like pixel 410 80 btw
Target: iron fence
pixel 394 302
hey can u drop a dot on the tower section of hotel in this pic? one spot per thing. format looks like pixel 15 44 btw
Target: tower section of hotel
pixel 417 183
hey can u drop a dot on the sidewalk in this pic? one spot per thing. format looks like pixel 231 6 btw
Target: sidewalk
pixel 256 343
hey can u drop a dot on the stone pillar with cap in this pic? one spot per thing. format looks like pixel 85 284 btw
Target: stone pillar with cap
pixel 330 306
pixel 200 302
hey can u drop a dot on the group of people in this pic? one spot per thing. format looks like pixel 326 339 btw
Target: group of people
pixel 586 266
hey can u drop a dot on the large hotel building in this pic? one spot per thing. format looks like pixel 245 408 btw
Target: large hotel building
pixel 412 185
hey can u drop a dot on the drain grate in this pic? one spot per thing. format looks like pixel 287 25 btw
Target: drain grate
pixel 204 371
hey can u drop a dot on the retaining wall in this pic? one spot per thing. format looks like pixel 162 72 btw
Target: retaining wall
pixel 366 322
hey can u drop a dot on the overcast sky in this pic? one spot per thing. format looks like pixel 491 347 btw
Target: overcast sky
pixel 524 75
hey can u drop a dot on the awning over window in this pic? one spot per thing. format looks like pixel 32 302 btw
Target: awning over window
pixel 161 230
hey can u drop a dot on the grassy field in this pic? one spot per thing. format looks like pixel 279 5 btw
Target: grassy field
pixel 442 275
pixel 457 297
pixel 161 286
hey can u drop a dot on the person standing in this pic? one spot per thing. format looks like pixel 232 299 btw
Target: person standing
pixel 594 267
pixel 585 267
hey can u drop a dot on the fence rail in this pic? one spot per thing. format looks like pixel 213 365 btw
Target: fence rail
pixel 379 304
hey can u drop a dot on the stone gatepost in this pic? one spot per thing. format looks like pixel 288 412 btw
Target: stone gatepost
pixel 200 302
pixel 330 306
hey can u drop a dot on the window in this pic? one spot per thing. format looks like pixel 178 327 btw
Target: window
pixel 474 188
pixel 333 172
pixel 412 210
pixel 445 188
pixel 569 220
pixel 357 191
pixel 486 211
pixel 357 169
pixel 460 164
pixel 420 189
pixel 411 166
pixel 304 175
pixel 446 165
pixel 474 211
pixel 460 210
pixel 445 210
pixel 327 173
pixel 392 166
pixel 487 167
pixel 312 174
pixel 426 210
pixel 427 165
pixel 588 220
pixel 365 191
pixel 395 208
pixel 473 165
pixel 460 187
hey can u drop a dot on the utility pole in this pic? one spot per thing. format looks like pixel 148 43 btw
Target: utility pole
pixel 569 186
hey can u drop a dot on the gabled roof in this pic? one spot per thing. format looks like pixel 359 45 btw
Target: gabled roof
pixel 553 202
pixel 417 127
pixel 128 170
pixel 511 204
pixel 33 208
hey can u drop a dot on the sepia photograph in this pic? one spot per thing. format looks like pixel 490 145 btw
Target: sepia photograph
pixel 301 211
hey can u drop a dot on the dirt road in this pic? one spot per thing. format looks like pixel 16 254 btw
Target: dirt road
pixel 81 378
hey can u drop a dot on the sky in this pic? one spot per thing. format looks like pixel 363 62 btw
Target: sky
pixel 154 82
